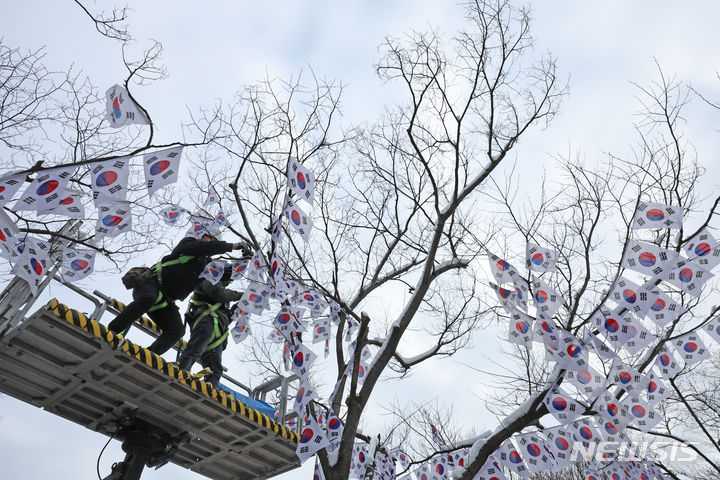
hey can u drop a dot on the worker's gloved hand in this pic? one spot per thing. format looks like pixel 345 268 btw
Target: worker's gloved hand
pixel 244 248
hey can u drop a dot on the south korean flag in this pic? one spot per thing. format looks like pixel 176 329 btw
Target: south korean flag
pixel 161 168
pixel 321 330
pixel 276 235
pixel 257 268
pixel 611 410
pixel 289 320
pixel 277 269
pixel 298 219
pixel 121 109
pixel 615 327
pixel 590 383
pixel 629 295
pixel 256 298
pixel 657 215
pixel 691 349
pixel 561 444
pixel 547 301
pixel 509 456
pixel 522 292
pixel 713 329
pixel 562 406
pixel 77 264
pixel 687 276
pixel 301 181
pixel 640 413
pixel 8 234
pixel 304 395
pixel 491 471
pixel 335 430
pixel 505 296
pixel 318 474
pixel 113 219
pixel 639 337
pixel 539 259
pixel 573 353
pixel 33 264
pixel 238 269
pixel 520 331
pixel 46 190
pixel 8 186
pixel 654 388
pixel 612 430
pixel 663 309
pixel 109 180
pixel 213 272
pixel 312 439
pixel 171 214
pixel 358 462
pixel 625 377
pixel 68 205
pixel 703 249
pixel 586 432
pixel 667 364
pixel 301 360
pixel 241 330
pixel 536 455
pixel 646 258
pixel 502 270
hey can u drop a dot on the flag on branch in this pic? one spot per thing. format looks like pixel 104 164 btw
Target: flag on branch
pixel 276 235
pixel 335 429
pixel 615 328
pixel 241 330
pixel 646 258
pixel 33 264
pixel 213 271
pixel 522 292
pixel 68 205
pixel 256 298
pixel 629 295
pixel 703 249
pixel 171 214
pixel 667 364
pixel 609 408
pixel 573 353
pixel 113 219
pixel 663 309
pixel 161 168
pixel 638 337
pixel 562 406
pixel 121 109
pixel 321 330
pixel 257 268
pixel 109 180
pixel 304 395
pixel 546 300
pixel 640 413
pixel 625 377
pixel 561 444
pixel 46 190
pixel 502 270
pixel 654 388
pixel 535 453
pixel 358 462
pixel 289 320
pixel 520 331
pixel 302 360
pixel 539 259
pixel 657 215
pixel 586 432
pixel 713 329
pixel 691 349
pixel 8 186
pixel 77 264
pixel 297 218
pixel 687 275
pixel 312 439
pixel 301 181
pixel 509 457
pixel 505 297
pixel 590 383
pixel 8 235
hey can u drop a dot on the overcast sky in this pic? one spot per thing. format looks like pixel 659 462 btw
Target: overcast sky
pixel 213 48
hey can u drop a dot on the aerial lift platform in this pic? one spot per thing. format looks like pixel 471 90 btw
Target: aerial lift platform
pixel 67 363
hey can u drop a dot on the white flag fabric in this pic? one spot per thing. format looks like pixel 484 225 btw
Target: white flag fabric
pixel 298 219
pixel 561 444
pixel 318 474
pixel 161 168
pixel 68 205
pixel 511 458
pixel 502 270
pixel 109 180
pixel 687 276
pixel 212 198
pixel 505 297
pixel 663 309
pixel 539 259
pixel 8 235
pixel 703 249
pixel 213 271
pixel 640 413
pixel 628 294
pixel 257 268
pixel 277 269
pixel 312 439
pixel 256 298
pixel 647 258
pixel 335 429
pixel 46 190
pixel 546 300
pixel 304 395
pixel 197 228
pixel 8 186
pixel 520 331
pixel 358 463
pixel 33 264
pixel 638 337
pixel 522 292
pixel 599 347
pixel 573 353
pixel 302 360
pixel 221 220
pixel 113 219
pixel 610 408
pixel 614 327
pixel 586 432
pixel 535 453
pixel 241 330
pixel 590 383
pixel 667 364
pixel 562 406
pixel 289 320
pixel 491 470
pixel 276 235
pixel 301 181
pixel 713 329
pixel 612 430
pixel 171 214
pixel 550 334
pixel 238 269
pixel 654 388
pixel 321 330
pixel 121 110
pixel 691 349
pixel 657 215
pixel 77 264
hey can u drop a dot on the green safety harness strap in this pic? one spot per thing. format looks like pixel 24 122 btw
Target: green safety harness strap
pixel 159 302
pixel 211 309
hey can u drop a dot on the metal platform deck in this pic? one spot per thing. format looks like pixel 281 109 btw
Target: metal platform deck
pixel 72 366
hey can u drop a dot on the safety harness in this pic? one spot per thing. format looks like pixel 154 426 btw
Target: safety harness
pixel 210 309
pixel 159 302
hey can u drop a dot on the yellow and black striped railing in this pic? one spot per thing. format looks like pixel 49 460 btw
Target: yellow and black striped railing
pixel 119 306
pixel 157 362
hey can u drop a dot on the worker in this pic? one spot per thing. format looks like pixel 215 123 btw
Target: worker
pixel 209 316
pixel 172 279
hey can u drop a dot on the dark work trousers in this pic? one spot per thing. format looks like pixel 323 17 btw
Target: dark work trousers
pixel 167 318
pixel 200 337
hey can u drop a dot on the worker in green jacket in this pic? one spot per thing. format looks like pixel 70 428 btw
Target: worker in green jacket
pixel 209 316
